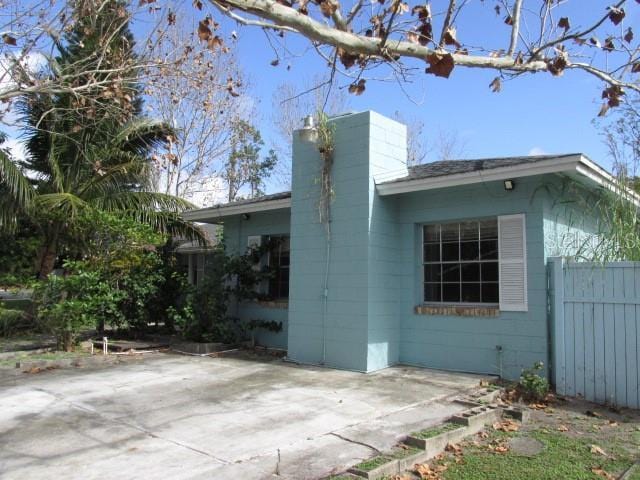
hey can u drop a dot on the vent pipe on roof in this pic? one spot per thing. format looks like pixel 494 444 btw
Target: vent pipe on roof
pixel 308 133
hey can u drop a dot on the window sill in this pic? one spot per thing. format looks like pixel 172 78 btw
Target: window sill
pixel 458 310
pixel 280 304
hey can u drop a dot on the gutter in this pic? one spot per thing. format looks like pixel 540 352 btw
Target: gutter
pixel 554 165
pixel 221 211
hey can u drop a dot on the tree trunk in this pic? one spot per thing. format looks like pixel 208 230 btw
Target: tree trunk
pixel 49 254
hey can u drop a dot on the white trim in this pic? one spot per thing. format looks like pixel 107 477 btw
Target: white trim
pixel 221 211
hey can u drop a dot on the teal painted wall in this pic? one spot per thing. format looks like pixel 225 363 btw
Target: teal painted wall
pixel 236 231
pixel 365 319
pixel 469 343
pixel 571 226
pixel 355 327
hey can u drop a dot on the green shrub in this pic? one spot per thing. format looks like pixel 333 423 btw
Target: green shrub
pixel 79 300
pixel 532 385
pixel 12 321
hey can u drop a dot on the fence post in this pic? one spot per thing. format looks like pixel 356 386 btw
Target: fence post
pixel 556 331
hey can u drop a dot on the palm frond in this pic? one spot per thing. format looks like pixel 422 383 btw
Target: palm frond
pixel 64 205
pixel 16 182
pixel 142 135
pixel 142 201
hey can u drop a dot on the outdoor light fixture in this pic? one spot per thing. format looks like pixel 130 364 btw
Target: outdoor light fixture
pixel 308 133
pixel 509 185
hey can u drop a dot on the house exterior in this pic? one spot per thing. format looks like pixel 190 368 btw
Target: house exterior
pixel 442 265
pixel 192 256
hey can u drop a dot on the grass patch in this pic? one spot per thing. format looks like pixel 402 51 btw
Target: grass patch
pixel 562 457
pixel 435 431
pixel 26 357
pixel 373 463
pixel 403 452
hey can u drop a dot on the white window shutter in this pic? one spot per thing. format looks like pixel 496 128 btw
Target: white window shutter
pixel 512 248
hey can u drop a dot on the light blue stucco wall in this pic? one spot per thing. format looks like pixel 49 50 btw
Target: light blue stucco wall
pixel 236 232
pixel 470 343
pixel 571 219
pixel 365 319
pixel 353 323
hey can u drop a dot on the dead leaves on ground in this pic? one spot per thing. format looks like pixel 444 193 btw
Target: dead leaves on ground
pixel 506 426
pixel 596 450
pixel 426 472
pixel 602 473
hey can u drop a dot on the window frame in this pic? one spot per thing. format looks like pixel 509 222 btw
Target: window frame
pixel 423 263
pixel 278 297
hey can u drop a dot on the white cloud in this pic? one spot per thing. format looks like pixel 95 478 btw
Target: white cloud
pixel 537 151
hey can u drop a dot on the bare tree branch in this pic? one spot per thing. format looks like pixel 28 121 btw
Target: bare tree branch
pixel 515 28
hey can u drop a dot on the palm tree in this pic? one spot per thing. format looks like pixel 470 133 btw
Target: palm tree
pixel 54 189
pixel 88 153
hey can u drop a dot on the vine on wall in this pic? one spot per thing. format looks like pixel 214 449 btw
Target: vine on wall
pixel 326 149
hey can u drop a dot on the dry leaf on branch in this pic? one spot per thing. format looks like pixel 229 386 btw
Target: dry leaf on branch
pixel 616 15
pixel 423 11
pixel 628 36
pixel 358 87
pixel 440 64
pixel 564 23
pixel 496 85
pixel 450 37
pixel 328 8
pixel 9 40
pixel 609 46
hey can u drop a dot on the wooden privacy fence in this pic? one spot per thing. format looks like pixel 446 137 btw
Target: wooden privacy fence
pixel 595 330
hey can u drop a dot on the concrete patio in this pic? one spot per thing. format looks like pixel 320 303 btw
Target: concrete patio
pixel 179 417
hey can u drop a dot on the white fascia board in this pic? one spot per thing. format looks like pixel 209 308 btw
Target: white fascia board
pixel 600 176
pixel 207 215
pixel 554 165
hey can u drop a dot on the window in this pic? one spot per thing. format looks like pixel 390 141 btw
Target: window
pixel 460 262
pixel 278 262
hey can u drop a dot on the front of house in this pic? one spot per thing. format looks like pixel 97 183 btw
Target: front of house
pixel 441 265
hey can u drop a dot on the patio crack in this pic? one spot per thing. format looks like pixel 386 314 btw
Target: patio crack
pixel 355 442
pixel 149 433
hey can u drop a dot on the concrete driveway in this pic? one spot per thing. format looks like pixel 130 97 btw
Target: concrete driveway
pixel 177 417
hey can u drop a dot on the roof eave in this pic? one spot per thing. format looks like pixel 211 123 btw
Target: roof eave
pixel 553 165
pixel 213 214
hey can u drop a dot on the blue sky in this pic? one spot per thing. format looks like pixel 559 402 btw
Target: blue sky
pixel 532 114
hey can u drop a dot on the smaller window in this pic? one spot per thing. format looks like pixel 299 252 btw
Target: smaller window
pixel 278 264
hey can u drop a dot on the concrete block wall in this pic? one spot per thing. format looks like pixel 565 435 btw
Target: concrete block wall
pixel 468 343
pixel 355 327
pixel 236 232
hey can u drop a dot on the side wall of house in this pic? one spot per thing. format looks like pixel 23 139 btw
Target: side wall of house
pixel 503 344
pixel 236 232
pixel 571 225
